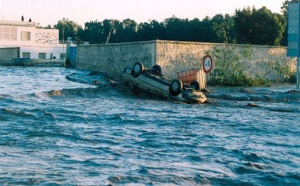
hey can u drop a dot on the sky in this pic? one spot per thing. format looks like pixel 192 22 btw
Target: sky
pixel 49 12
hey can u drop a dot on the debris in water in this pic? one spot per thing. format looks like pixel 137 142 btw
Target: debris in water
pixel 252 105
pixel 54 93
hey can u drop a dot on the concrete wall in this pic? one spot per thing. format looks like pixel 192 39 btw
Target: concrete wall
pixel 113 58
pixel 6 54
pixel 176 56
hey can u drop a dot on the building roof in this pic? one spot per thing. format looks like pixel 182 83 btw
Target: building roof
pixel 17 23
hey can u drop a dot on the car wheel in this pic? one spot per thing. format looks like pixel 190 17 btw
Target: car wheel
pixel 195 84
pixel 137 69
pixel 175 87
pixel 156 69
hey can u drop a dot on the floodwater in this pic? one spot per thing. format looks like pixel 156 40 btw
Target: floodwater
pixel 71 127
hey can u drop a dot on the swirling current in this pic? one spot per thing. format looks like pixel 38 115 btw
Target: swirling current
pixel 64 126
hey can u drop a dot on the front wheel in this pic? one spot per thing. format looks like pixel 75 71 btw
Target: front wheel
pixel 175 87
pixel 137 69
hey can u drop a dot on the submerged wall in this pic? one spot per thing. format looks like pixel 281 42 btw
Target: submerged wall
pixel 176 56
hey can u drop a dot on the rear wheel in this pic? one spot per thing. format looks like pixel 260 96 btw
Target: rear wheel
pixel 137 69
pixel 156 69
pixel 175 87
pixel 195 84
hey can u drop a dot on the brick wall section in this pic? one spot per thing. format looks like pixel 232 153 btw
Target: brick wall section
pixel 6 54
pixel 176 56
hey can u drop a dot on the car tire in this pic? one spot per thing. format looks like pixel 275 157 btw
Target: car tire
pixel 137 69
pixel 175 87
pixel 195 84
pixel 156 69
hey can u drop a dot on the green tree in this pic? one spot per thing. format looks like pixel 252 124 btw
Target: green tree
pixel 195 30
pixel 223 27
pixel 259 26
pixel 107 30
pixel 176 29
pixel 114 28
pixel 248 26
pixel 67 28
pixel 91 32
pixel 150 31
pixel 207 32
pixel 130 28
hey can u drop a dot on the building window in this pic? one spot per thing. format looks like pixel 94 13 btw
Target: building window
pixel 26 54
pixel 13 33
pixel 25 36
pixel 8 33
pixel 42 55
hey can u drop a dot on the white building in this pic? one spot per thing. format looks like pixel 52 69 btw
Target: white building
pixel 34 43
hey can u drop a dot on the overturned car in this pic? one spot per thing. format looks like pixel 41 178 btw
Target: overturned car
pixel 152 81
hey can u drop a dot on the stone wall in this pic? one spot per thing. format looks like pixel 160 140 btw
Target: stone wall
pixel 258 60
pixel 113 58
pixel 6 54
pixel 175 56
pixel 261 61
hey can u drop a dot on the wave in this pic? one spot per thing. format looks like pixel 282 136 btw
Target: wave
pixel 92 78
pixel 268 96
pixel 25 114
pixel 8 112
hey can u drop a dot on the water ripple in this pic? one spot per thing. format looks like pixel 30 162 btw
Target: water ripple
pixel 60 132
